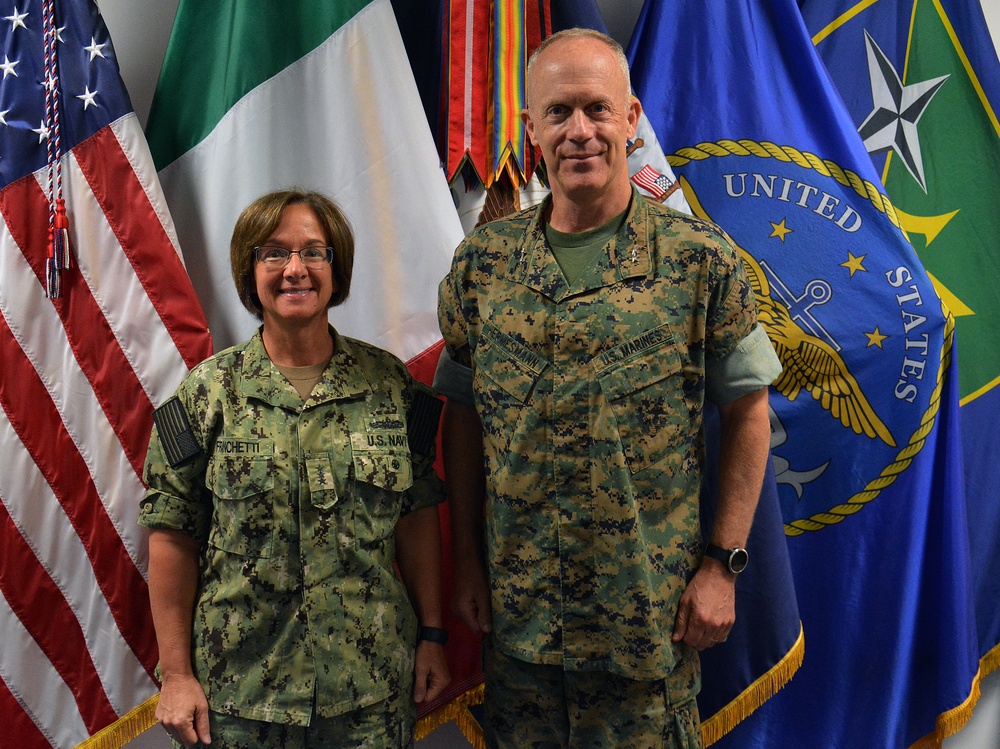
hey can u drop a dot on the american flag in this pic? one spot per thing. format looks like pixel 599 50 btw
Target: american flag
pixel 82 363
pixel 652 181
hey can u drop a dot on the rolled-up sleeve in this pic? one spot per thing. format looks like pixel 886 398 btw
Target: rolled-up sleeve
pixel 752 365
pixel 175 498
pixel 453 380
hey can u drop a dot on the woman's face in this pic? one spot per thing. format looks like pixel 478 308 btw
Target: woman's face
pixel 296 293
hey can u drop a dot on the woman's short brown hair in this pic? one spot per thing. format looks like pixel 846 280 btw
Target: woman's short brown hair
pixel 259 220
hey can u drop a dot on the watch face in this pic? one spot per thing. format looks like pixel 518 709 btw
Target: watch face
pixel 738 560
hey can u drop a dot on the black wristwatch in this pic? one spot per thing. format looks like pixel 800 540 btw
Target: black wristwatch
pixel 432 634
pixel 734 559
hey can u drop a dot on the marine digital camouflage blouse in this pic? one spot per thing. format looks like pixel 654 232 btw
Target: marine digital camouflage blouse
pixel 591 400
pixel 296 503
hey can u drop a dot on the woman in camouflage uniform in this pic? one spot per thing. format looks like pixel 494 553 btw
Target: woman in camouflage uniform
pixel 286 476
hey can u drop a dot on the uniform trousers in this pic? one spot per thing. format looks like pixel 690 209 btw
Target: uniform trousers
pixel 548 707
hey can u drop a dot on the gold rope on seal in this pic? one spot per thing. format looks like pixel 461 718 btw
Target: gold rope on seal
pixel 903 459
pixel 870 192
pixel 766 150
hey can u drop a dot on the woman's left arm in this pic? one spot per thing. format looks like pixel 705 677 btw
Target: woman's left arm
pixel 418 553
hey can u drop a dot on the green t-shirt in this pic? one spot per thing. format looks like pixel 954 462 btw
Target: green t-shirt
pixel 576 251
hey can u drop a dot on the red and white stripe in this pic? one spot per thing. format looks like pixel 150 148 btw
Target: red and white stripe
pixel 467 65
pixel 80 377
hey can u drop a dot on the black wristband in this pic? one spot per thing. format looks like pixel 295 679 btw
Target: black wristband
pixel 432 634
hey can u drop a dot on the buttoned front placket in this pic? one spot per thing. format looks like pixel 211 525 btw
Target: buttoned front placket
pixel 272 400
pixel 568 327
pixel 326 509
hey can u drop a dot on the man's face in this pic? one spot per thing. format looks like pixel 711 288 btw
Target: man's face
pixel 580 113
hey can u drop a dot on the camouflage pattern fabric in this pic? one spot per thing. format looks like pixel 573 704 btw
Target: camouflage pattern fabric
pixel 384 725
pixel 591 400
pixel 528 704
pixel 296 503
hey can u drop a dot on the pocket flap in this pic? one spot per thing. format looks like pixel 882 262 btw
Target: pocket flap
pixel 507 362
pixel 637 363
pixel 236 477
pixel 388 469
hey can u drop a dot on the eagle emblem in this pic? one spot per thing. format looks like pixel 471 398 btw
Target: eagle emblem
pixel 811 363
pixel 808 362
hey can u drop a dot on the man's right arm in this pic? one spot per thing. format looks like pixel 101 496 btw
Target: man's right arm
pixel 462 448
pixel 465 477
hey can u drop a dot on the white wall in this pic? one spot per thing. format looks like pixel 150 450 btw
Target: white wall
pixel 139 30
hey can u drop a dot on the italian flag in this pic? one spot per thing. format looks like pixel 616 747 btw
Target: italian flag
pixel 314 94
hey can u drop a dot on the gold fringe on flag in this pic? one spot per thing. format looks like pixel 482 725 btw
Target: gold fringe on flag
pixel 953 721
pixel 126 728
pixel 457 711
pixel 755 695
pixel 990 662
pixel 712 730
pixel 143 717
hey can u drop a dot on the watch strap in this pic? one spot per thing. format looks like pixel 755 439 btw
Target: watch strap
pixel 726 556
pixel 432 634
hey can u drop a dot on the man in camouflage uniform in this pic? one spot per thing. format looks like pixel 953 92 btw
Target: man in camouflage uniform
pixel 586 334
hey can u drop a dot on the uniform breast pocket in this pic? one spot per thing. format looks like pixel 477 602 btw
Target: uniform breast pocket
pixel 381 476
pixel 645 391
pixel 506 373
pixel 243 522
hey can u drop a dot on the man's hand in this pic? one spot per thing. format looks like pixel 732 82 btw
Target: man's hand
pixel 464 473
pixel 707 610
pixel 431 672
pixel 183 710
pixel 471 596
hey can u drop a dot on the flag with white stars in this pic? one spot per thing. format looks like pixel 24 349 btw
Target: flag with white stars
pixel 865 431
pixel 80 371
pixel 922 83
pixel 90 90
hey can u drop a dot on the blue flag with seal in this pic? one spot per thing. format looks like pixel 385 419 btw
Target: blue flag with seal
pixel 865 423
pixel 922 84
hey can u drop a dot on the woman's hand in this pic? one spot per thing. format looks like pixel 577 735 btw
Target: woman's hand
pixel 183 710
